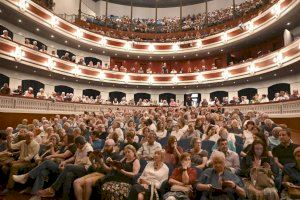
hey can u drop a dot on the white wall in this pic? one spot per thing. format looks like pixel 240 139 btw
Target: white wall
pixel 68 7
pixel 20 34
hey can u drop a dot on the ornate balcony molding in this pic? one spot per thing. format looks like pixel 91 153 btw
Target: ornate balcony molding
pixel 19 53
pixel 259 23
pixel 9 104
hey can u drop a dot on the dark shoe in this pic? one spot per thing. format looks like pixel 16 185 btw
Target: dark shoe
pixel 4 192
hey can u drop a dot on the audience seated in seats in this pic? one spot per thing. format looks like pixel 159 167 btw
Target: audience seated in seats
pixel 176 131
pixel 151 179
pixel 284 152
pixel 70 172
pixel 117 184
pixel 172 152
pixel 41 94
pixel 29 93
pixel 28 150
pixel 199 157
pixel 5 90
pixel 291 179
pixel 5 35
pixel 100 167
pixel 232 158
pixel 148 148
pixel 182 180
pixel 66 57
pixel 50 165
pixel 114 171
pixel 260 171
pixel 219 182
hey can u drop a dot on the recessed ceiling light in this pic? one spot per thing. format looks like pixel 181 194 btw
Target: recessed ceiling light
pixel 289 23
pixel 103 51
pixel 91 49
pixel 138 56
pixel 52 36
pixel 196 54
pixel 78 46
pixel 116 54
pixel 234 82
pixel 208 52
pixel 291 70
pixel 37 29
pixel 173 57
pixel 66 41
pixel 150 57
pixel 89 82
pixel 222 50
pixel 76 80
pixel 247 80
pixel 184 56
pixel 275 74
pixel 19 20
pixel 49 74
pixel 0 11
pixel 34 71
pixel 16 66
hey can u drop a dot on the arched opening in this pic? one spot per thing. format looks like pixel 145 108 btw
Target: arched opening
pixel 3 79
pixel 91 92
pixel 61 52
pixel 39 44
pixel 219 94
pixel 87 60
pixel 142 96
pixel 192 99
pixel 277 88
pixel 167 96
pixel 116 94
pixel 10 33
pixel 36 85
pixel 248 92
pixel 62 88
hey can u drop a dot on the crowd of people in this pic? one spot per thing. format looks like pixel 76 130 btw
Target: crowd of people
pixel 196 22
pixel 153 153
pixel 69 97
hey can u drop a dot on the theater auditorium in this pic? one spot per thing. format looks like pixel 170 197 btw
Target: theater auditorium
pixel 149 99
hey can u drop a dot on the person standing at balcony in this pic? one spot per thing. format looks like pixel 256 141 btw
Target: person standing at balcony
pixel 35 45
pixel 18 91
pixel 29 93
pixel 41 94
pixel 66 57
pixel 5 90
pixel 164 69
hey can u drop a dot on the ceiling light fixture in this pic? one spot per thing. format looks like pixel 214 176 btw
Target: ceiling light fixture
pixel 226 74
pixel 252 68
pixel 103 41
pixel 23 5
pixel 175 47
pixel 151 47
pixel 175 79
pixel 18 53
pixel 126 78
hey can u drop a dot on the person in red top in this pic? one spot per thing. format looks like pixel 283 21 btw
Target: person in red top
pixel 173 152
pixel 182 180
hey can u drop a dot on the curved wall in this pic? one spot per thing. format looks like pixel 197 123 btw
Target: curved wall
pixel 262 86
pixel 98 8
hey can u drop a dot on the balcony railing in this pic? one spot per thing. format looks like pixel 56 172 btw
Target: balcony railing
pixel 12 104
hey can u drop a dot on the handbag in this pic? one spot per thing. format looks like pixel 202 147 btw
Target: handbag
pixel 178 188
pixel 294 192
pixel 262 178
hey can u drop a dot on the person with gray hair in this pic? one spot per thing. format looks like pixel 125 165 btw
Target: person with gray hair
pixel 273 140
pixel 5 35
pixel 218 182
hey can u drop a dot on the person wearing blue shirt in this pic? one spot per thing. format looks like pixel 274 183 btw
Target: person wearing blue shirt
pixel 97 143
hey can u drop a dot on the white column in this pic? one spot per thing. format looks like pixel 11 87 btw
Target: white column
pixel 261 91
pixel 232 94
pixel 77 92
pixel 14 83
pixel 49 89
pixel 180 97
pixel 129 96
pixel 205 96
pixel 104 95
pixel 155 97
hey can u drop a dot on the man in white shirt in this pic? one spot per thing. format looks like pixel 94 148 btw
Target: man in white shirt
pixel 29 148
pixel 80 163
pixel 148 148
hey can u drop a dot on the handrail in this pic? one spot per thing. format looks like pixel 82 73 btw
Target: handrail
pixel 13 104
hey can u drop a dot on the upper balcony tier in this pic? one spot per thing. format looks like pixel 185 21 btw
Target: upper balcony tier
pixel 259 25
